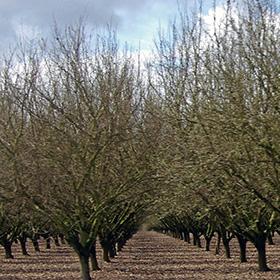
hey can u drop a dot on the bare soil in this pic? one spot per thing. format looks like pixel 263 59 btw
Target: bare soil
pixel 148 255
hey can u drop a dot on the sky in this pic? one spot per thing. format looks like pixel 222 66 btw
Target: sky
pixel 136 21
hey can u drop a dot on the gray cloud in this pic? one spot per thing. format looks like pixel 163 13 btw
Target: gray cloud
pixel 134 19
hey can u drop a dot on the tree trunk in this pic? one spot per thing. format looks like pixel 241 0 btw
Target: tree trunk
pixel 120 244
pixel 48 243
pixel 260 246
pixel 187 236
pixel 82 247
pixel 179 234
pixel 196 240
pixel 8 250
pixel 226 237
pixel 112 250
pixel 84 262
pixel 218 243
pixel 56 241
pixel 227 248
pixel 105 250
pixel 270 240
pixel 93 259
pixel 61 238
pixel 22 240
pixel 207 242
pixel 193 240
pixel 35 244
pixel 242 246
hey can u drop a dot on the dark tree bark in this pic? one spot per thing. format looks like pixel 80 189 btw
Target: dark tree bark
pixel 226 237
pixel 105 250
pixel 242 246
pixel 120 243
pixel 112 249
pixel 218 243
pixel 270 240
pixel 207 242
pixel 48 243
pixel 62 240
pixel 93 259
pixel 260 246
pixel 35 244
pixel 187 236
pixel 8 249
pixel 56 241
pixel 196 240
pixel 22 239
pixel 84 261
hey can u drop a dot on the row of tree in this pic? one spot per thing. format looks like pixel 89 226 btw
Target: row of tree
pixel 219 93
pixel 92 140
pixel 74 152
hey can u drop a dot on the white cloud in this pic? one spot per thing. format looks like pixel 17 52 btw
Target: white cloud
pixel 214 19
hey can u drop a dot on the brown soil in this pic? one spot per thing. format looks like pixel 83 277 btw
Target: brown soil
pixel 148 255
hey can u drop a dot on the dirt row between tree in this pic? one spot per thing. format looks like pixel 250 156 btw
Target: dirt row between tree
pixel 148 255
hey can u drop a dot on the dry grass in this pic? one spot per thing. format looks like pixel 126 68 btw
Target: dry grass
pixel 148 255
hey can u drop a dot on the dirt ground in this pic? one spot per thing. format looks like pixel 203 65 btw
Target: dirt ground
pixel 148 255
